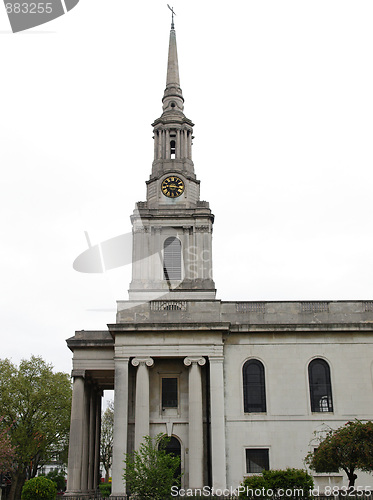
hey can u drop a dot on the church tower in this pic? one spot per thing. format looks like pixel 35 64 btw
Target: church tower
pixel 172 230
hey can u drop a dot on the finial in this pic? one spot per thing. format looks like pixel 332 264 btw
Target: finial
pixel 173 13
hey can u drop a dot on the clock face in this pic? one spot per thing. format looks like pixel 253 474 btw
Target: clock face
pixel 172 186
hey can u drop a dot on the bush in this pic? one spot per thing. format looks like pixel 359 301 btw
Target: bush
pixel 269 482
pixel 105 489
pixel 39 488
pixel 57 477
pixel 151 472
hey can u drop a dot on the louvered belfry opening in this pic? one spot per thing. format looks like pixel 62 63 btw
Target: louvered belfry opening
pixel 173 149
pixel 172 259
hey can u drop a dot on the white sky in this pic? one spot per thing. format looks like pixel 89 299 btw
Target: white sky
pixel 281 95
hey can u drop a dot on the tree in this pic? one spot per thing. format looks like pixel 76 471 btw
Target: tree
pixel 35 404
pixel 7 450
pixel 270 482
pixel 58 477
pixel 107 427
pixel 150 472
pixel 349 448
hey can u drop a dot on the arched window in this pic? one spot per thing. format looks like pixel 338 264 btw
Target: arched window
pixel 320 386
pixel 254 392
pixel 172 259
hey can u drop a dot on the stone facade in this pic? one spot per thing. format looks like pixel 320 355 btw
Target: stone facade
pixel 237 384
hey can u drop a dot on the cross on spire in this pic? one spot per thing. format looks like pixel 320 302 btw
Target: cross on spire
pixel 173 13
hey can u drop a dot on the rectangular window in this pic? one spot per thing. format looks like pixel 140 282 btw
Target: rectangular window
pixel 169 393
pixel 257 459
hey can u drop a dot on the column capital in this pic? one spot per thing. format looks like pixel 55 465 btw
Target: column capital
pixel 78 373
pixel 143 361
pixel 194 359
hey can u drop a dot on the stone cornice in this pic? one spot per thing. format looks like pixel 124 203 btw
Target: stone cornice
pixel 301 327
pixel 167 327
pixel 93 338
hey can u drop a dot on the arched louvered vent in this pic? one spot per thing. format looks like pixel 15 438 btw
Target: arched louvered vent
pixel 172 259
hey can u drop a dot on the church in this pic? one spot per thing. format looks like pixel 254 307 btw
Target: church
pixel 238 386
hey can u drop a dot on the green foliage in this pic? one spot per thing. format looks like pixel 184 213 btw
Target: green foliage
pixel 106 448
pixel 349 448
pixel 58 477
pixel 39 488
pixel 255 482
pixel 35 404
pixel 297 480
pixel 105 489
pixel 150 471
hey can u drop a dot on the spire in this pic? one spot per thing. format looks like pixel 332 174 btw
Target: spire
pixel 173 97
pixel 172 66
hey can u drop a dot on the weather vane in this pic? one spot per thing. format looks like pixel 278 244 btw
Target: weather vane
pixel 173 14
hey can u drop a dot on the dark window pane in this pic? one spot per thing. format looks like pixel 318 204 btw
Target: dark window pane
pixel 257 459
pixel 320 386
pixel 254 387
pixel 169 392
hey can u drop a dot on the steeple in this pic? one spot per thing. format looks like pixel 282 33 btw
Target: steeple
pixel 172 229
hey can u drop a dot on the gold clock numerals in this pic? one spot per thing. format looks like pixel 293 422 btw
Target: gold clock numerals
pixel 172 186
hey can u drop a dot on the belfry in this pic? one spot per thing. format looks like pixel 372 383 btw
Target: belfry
pixel 239 387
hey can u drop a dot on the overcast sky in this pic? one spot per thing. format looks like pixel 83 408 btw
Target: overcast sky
pixel 280 92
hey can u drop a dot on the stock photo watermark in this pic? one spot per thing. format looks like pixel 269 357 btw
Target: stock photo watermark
pixel 120 251
pixel 263 493
pixel 27 14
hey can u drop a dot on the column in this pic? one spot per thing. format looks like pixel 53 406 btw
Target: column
pixel 168 151
pixel 190 145
pixel 178 145
pixel 155 144
pixel 195 422
pixel 96 474
pixel 160 134
pixel 187 253
pixel 120 424
pixel 74 470
pixel 156 257
pixel 185 141
pixel 92 438
pixel 85 454
pixel 199 246
pixel 218 454
pixel 142 399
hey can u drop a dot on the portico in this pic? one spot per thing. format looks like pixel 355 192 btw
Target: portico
pixel 140 366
